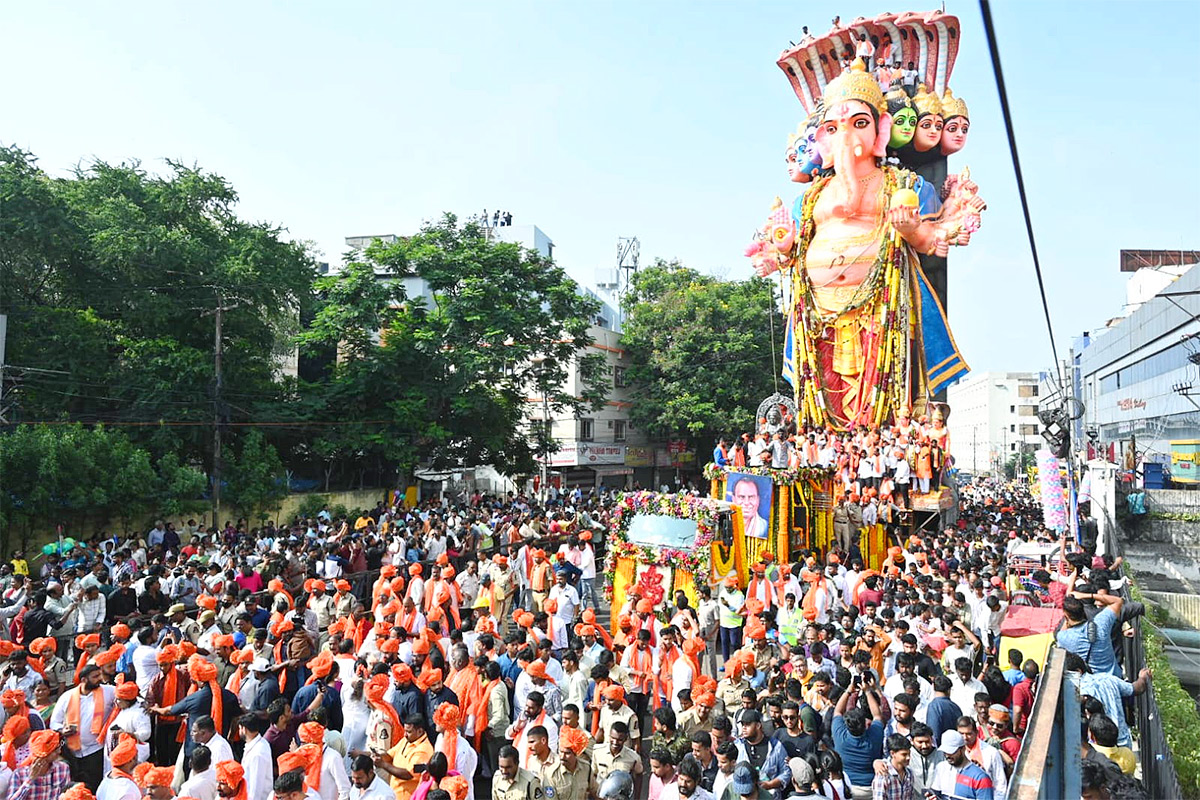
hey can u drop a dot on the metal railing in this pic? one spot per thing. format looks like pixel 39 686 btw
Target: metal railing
pixel 1158 766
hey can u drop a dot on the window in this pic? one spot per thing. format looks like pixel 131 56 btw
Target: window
pixel 1028 411
pixel 618 430
pixel 587 430
pixel 1029 430
pixel 619 377
pixel 1012 428
pixel 1173 358
pixel 1012 409
pixel 1013 447
pixel 1027 390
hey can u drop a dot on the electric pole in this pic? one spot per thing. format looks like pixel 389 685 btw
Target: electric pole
pixel 218 410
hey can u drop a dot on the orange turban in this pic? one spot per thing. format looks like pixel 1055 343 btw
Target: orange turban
pixel 281 627
pixel 442 560
pixel 614 692
pixel 127 691
pixel 186 650
pixel 167 655
pixel 393 646
pixel 644 606
pixel 140 772
pixel 77 792
pixel 293 760
pixel 242 656
pixel 397 585
pixel 202 671
pixel 317 586
pixel 402 673
pixel 537 669
pixel 414 569
pixel 733 668
pixel 572 739
pixel 7 648
pixel 387 571
pixel 448 573
pixel 428 678
pixel 625 622
pixel 731 581
pixel 550 606
pixel 207 601
pixel 321 665
pixel 44 645
pixel 525 620
pixel 83 641
pixel 121 629
pixel 693 646
pixel 43 743
pixel 125 751
pixel 381 629
pixel 448 716
pixel 12 699
pixel 391 609
pixel 275 585
pixel 233 775
pixel 159 776
pixel 420 646
pixel 705 699
pixel 756 630
pixel 485 625
pixel 311 733
pixel 342 585
pixel 456 786
pixel 109 656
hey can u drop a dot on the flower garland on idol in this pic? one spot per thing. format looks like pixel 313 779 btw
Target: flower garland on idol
pixel 680 506
pixel 781 477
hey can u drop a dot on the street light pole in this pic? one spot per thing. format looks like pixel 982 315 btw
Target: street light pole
pixel 547 429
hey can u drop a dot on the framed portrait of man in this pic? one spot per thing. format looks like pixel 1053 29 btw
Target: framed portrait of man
pixel 753 495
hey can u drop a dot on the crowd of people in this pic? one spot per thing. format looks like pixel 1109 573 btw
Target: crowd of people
pixel 462 650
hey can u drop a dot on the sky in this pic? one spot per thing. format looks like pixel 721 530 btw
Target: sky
pixel 661 120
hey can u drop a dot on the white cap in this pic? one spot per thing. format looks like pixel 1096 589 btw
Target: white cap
pixel 952 742
pixel 260 665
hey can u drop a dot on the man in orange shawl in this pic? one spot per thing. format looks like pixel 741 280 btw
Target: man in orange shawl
pixel 168 687
pixel 231 781
pixel 80 714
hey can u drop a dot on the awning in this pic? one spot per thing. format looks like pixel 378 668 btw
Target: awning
pixel 614 470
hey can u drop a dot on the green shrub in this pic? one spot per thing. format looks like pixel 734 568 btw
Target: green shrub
pixel 1176 707
pixel 312 505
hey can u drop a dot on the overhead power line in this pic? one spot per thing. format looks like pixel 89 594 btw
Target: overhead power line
pixel 986 9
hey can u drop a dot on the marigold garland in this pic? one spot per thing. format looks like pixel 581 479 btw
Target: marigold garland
pixel 680 506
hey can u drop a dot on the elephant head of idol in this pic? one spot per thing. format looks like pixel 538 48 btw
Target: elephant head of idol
pixel 854 133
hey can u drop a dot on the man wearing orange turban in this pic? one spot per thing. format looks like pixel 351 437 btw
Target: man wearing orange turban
pixel 730 688
pixel 52 776
pixel 451 743
pixel 130 717
pixel 326 773
pixel 208 699
pixel 231 781
pixel 119 783
pixel 15 741
pixel 166 689
pixel 565 776
pixel 157 782
pixel 615 709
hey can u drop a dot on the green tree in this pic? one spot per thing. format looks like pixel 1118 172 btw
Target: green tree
pixel 1018 465
pixel 700 351
pixel 75 475
pixel 255 479
pixel 445 378
pixel 109 277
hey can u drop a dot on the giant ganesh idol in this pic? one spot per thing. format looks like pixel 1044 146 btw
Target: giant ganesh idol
pixel 867 337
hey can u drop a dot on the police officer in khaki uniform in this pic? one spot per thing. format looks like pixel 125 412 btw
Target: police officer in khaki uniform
pixel 568 777
pixel 513 783
pixel 615 755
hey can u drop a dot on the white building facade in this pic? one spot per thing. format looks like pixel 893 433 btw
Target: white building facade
pixel 1139 377
pixel 993 416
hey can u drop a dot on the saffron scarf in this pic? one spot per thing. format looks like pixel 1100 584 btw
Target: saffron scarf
pixel 72 716
pixel 480 709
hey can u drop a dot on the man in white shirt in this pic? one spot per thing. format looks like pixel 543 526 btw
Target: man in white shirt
pixel 567 599
pixel 256 760
pixel 93 699
pixel 202 784
pixel 204 731
pixel 367 785
pixel 117 784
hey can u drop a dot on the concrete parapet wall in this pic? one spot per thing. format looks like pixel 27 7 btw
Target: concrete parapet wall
pixel 1173 501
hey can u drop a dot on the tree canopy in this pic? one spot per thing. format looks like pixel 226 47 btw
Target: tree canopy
pixel 110 275
pixel 700 351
